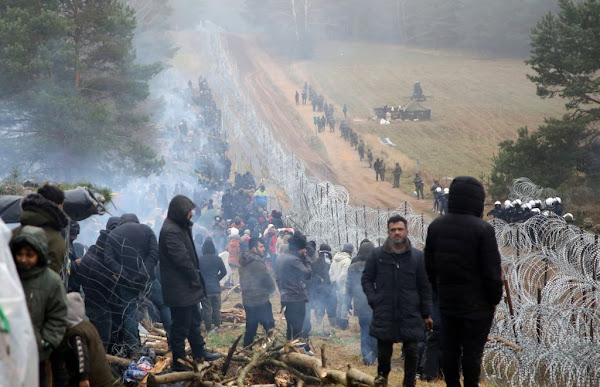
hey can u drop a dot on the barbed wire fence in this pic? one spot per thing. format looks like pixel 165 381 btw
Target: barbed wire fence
pixel 550 314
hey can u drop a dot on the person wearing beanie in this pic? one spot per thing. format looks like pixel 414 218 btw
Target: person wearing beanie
pixel 44 292
pixel 463 265
pixel 293 269
pixel 396 286
pixel 213 271
pixel 338 273
pixel 85 357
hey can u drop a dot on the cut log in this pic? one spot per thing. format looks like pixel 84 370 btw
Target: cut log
pixel 118 360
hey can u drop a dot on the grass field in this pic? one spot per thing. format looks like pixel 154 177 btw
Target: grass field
pixel 476 103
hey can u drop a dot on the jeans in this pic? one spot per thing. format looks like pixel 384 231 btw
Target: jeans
pixel 294 315
pixel 101 317
pixel 306 325
pixel 211 311
pixel 125 333
pixel 262 314
pixel 470 335
pixel 411 358
pixel 157 299
pixel 368 344
pixel 186 325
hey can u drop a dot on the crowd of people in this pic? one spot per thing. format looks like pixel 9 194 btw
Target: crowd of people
pixel 172 269
pixel 517 211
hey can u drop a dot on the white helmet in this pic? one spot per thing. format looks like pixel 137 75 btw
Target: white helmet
pixel 524 207
pixel 558 200
pixel 531 203
pixel 438 189
pixel 507 204
pixel 546 213
pixel 535 211
pixel 538 203
pixel 568 215
pixel 518 202
pixel 529 206
pixel 446 190
pixel 497 203
pixel 549 202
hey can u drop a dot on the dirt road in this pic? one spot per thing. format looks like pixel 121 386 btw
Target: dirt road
pixel 273 91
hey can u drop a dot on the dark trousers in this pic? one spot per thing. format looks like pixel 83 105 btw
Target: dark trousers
pixel 101 317
pixel 294 315
pixel 432 358
pixel 186 325
pixel 211 311
pixel 164 311
pixel 125 335
pixel 411 359
pixel 262 314
pixel 368 344
pixel 468 336
pixel 43 374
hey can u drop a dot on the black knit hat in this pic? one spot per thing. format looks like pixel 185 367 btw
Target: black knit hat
pixel 297 241
pixel 324 247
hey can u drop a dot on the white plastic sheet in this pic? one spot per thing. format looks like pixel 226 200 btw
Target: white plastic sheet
pixel 18 349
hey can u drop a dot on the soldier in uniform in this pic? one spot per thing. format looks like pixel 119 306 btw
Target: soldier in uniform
pixel 382 170
pixel 297 97
pixel 397 172
pixel 376 166
pixel 370 157
pixel 418 185
pixel 361 150
pixel 304 96
pixel 345 110
pixel 331 125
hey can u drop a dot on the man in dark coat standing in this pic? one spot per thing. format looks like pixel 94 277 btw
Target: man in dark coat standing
pixel 396 286
pixel 293 269
pixel 257 285
pixel 182 284
pixel 463 265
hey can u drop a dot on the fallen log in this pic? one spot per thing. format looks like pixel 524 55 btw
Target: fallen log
pixel 173 377
pixel 118 360
pixel 327 375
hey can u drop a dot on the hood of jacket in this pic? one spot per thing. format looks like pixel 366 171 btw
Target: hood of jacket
pixel 249 256
pixel 76 309
pixel 364 251
pixel 340 256
pixel 467 196
pixel 112 223
pixel 41 212
pixel 179 208
pixel 34 237
pixel 128 218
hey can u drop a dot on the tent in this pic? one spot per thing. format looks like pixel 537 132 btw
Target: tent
pixel 414 110
pixel 18 347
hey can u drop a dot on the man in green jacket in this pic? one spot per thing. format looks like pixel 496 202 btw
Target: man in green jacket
pixel 44 291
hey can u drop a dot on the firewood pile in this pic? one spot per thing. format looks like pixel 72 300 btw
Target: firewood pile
pixel 270 361
pixel 233 315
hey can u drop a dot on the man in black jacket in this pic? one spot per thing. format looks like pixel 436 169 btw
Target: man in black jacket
pixel 463 265
pixel 257 285
pixel 131 254
pixel 396 286
pixel 182 284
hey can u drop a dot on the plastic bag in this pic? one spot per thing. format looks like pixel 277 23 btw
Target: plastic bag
pixel 137 370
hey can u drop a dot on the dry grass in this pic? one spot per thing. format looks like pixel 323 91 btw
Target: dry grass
pixel 477 102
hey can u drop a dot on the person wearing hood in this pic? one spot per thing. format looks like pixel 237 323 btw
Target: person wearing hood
pixel 356 296
pixel 293 269
pixel 131 255
pixel 257 286
pixel 338 273
pixel 84 353
pixel 43 289
pixel 98 284
pixel 44 209
pixel 463 265
pixel 213 271
pixel 395 283
pixel 182 283
pixel 326 301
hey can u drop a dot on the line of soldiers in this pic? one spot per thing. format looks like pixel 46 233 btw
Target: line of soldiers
pixel 517 211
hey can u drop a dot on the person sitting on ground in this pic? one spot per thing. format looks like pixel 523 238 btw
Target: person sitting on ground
pixel 44 291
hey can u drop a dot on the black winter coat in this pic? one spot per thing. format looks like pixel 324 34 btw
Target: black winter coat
pixel 132 252
pixel 182 283
pixel 213 270
pixel 292 273
pixel 255 280
pixel 397 289
pixel 461 255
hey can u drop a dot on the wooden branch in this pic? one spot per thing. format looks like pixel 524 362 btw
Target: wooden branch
pixel 502 340
pixel 326 375
pixel 355 375
pixel 230 355
pixel 253 363
pixel 306 378
pixel 323 357
pixel 172 377
pixel 118 360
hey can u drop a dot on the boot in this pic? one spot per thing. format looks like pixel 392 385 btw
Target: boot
pixel 381 381
pixel 208 356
